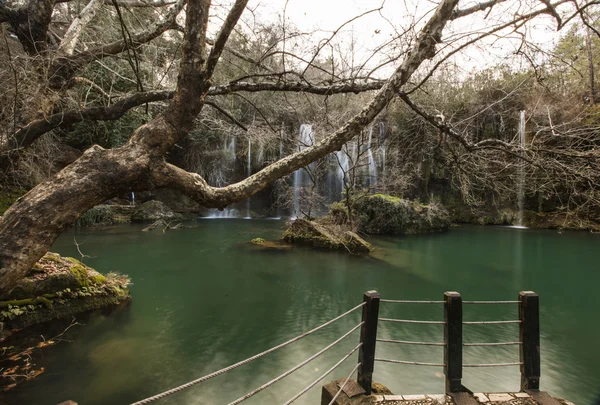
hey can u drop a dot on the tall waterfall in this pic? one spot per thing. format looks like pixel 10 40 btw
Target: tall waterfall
pixel 521 179
pixel 382 145
pixel 305 138
pixel 372 180
pixel 249 173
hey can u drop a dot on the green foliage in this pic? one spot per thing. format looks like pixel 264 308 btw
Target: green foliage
pixel 338 213
pixel 100 214
pixel 8 197
pixel 389 215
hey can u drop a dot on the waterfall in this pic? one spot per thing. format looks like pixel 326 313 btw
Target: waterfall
pixel 382 145
pixel 260 156
pixel 305 138
pixel 372 168
pixel 343 166
pixel 521 174
pixel 231 153
pixel 249 173
pixel 225 213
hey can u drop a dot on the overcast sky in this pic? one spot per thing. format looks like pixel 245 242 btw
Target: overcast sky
pixel 375 28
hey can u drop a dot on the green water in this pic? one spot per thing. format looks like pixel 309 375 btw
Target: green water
pixel 202 300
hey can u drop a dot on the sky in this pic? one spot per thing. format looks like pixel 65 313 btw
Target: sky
pixel 369 31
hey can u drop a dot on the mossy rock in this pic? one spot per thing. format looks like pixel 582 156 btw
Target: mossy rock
pixel 153 211
pixel 58 287
pixel 258 241
pixel 312 234
pixel 388 215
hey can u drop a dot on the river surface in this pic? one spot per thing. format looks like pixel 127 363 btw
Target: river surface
pixel 203 299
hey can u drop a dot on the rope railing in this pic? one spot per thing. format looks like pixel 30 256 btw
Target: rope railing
pixel 246 361
pixel 344 384
pixel 413 363
pixel 490 322
pixel 411 302
pixel 490 302
pixel 412 321
pixel 290 371
pixel 407 342
pixel 493 344
pixel 528 340
pixel 325 374
pixel 528 343
pixel 493 364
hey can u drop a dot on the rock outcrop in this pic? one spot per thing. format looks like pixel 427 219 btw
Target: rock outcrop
pixel 382 214
pixel 58 287
pixel 153 211
pixel 312 234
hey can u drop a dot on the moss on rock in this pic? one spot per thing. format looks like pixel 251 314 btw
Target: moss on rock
pixel 79 271
pixel 152 211
pixel 310 233
pixel 57 287
pixel 388 215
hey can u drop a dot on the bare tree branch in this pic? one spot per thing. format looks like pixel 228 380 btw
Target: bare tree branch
pixel 71 37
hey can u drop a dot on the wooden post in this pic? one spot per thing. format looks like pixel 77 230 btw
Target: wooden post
pixel 368 336
pixel 529 336
pixel 453 341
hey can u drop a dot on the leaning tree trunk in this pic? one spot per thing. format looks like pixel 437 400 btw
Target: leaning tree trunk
pixel 31 224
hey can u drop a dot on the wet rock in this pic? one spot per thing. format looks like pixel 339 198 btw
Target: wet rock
pixel 312 234
pixel 152 211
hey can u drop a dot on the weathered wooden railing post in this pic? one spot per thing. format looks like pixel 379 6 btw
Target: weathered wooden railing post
pixel 529 336
pixel 453 341
pixel 368 336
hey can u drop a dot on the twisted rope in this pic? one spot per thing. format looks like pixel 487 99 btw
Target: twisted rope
pixel 406 342
pixel 411 302
pixel 493 365
pixel 490 302
pixel 493 344
pixel 412 321
pixel 413 363
pixel 290 371
pixel 489 322
pixel 344 384
pixel 318 380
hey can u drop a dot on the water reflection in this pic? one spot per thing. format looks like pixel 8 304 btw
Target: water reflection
pixel 203 301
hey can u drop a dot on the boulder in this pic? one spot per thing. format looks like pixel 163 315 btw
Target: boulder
pixel 387 215
pixel 152 211
pixel 58 287
pixel 106 214
pixel 312 234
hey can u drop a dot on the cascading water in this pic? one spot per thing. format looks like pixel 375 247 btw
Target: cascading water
pixel 305 139
pixel 521 179
pixel 249 173
pixel 331 183
pixel 225 213
pixel 372 167
pixel 382 146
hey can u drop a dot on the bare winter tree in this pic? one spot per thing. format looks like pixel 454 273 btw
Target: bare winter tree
pixel 30 226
